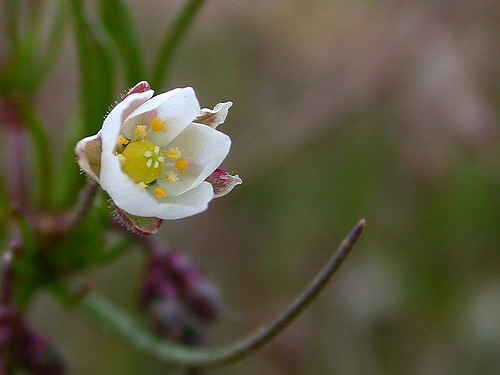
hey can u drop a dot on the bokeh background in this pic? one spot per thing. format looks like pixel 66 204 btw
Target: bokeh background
pixel 386 110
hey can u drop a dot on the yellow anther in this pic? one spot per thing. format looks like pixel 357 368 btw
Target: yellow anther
pixel 142 185
pixel 140 131
pixel 171 176
pixel 173 153
pixel 160 192
pixel 181 164
pixel 120 157
pixel 157 124
pixel 122 140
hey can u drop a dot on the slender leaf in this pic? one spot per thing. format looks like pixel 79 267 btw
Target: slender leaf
pixel 118 20
pixel 96 68
pixel 164 59
pixel 51 50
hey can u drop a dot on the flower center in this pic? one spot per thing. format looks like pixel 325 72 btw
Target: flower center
pixel 142 161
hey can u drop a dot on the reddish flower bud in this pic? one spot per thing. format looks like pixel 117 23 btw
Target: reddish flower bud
pixel 167 318
pixel 204 300
pixel 182 269
pixel 36 354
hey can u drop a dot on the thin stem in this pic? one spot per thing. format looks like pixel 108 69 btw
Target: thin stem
pixel 114 320
pixel 83 206
pixel 172 40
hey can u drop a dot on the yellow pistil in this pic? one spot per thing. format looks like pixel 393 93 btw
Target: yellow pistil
pixel 171 176
pixel 181 164
pixel 173 153
pixel 157 124
pixel 142 185
pixel 143 161
pixel 160 192
pixel 140 131
pixel 122 140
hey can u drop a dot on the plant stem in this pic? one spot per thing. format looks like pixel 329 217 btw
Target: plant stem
pixel 83 206
pixel 172 40
pixel 116 321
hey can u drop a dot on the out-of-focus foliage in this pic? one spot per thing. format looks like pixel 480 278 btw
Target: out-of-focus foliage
pixel 384 110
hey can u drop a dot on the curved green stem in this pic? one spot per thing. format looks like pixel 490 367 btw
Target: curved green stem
pixel 116 321
pixel 172 40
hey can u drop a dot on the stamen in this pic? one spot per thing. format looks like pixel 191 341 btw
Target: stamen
pixel 157 124
pixel 156 164
pixel 161 159
pixel 149 162
pixel 140 131
pixel 173 153
pixel 181 164
pixel 171 176
pixel 122 140
pixel 160 192
pixel 120 158
pixel 148 154
pixel 156 150
pixel 142 185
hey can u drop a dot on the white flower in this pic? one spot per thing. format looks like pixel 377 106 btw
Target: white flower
pixel 156 152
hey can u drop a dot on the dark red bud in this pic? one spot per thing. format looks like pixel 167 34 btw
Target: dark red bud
pixel 36 354
pixel 182 269
pixel 204 300
pixel 167 318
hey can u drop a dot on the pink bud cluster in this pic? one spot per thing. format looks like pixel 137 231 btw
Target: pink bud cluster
pixel 178 300
pixel 23 349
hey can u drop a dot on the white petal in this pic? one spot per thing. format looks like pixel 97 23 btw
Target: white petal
pixel 190 203
pixel 89 159
pixel 111 127
pixel 205 148
pixel 130 197
pixel 213 117
pixel 177 107
pixel 126 194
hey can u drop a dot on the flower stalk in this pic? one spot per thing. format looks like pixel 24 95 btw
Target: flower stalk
pixel 112 319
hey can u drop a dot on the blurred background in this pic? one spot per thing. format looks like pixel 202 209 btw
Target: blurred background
pixel 386 110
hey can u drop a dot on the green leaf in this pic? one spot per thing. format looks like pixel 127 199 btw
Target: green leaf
pixel 51 50
pixel 172 40
pixel 118 20
pixel 95 59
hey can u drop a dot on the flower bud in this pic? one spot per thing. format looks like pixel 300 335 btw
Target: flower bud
pixel 156 285
pixel 182 269
pixel 204 300
pixel 193 337
pixel 167 318
pixel 39 356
